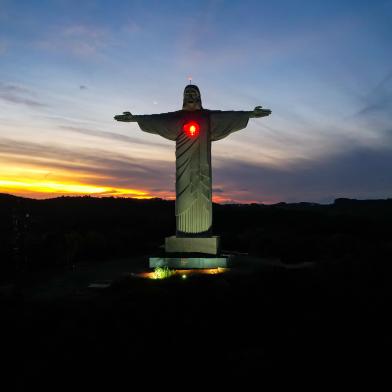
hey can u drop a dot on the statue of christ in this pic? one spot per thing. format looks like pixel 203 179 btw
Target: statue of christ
pixel 193 129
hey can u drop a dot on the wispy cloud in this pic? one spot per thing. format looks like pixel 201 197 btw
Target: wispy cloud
pixel 131 27
pixel 379 99
pixel 339 175
pixel 359 173
pixel 91 166
pixel 109 135
pixel 19 95
pixel 78 39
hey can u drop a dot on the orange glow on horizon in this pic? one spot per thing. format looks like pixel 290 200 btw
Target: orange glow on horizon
pixel 45 189
pixel 32 187
pixel 43 183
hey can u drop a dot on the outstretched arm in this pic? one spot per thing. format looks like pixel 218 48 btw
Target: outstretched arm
pixel 164 124
pixel 259 112
pixel 226 122
pixel 126 117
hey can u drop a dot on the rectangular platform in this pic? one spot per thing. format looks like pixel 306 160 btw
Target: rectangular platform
pixel 206 245
pixel 188 262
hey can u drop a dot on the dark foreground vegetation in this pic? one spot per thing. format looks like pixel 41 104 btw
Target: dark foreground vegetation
pixel 325 307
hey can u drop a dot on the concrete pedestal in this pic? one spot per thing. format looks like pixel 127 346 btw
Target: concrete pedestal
pixel 206 245
pixel 188 262
pixel 190 253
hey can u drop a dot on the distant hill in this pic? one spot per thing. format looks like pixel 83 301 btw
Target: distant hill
pixel 63 230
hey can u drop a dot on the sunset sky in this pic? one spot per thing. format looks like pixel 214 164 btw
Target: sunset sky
pixel 324 68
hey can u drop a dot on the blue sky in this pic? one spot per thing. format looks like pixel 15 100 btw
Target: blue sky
pixel 323 68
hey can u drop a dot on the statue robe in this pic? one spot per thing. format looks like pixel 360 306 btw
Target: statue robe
pixel 193 160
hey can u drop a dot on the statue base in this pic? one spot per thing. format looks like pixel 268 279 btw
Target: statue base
pixel 205 245
pixel 190 253
pixel 189 262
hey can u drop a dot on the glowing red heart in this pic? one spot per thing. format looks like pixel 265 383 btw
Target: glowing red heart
pixel 191 129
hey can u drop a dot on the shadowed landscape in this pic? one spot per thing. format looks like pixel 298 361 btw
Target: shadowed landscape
pixel 309 288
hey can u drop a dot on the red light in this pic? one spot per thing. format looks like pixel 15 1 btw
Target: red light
pixel 191 129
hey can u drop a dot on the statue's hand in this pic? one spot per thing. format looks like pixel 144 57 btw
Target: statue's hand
pixel 260 112
pixel 126 117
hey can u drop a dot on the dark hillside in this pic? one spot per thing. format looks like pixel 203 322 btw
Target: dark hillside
pixel 37 234
pixel 324 309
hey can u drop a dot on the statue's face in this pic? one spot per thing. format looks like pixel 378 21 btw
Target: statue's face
pixel 192 99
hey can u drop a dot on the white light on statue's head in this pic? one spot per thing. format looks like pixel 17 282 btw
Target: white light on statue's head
pixel 183 276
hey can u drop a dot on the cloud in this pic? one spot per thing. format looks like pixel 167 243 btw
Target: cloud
pixel 379 99
pixel 361 172
pixel 78 39
pixel 99 167
pixel 131 27
pixel 110 135
pixel 217 190
pixel 84 31
pixel 19 95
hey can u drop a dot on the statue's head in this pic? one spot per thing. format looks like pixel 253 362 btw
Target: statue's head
pixel 192 98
